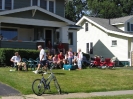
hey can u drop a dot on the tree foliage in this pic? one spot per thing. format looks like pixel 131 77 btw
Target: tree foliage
pixel 75 9
pixel 110 8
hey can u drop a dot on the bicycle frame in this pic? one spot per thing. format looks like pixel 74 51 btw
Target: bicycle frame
pixel 48 80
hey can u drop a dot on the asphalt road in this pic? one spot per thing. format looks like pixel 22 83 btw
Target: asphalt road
pixel 6 90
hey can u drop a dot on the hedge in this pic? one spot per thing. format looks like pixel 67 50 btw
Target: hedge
pixel 7 53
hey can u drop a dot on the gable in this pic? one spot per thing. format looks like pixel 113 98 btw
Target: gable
pixel 38 15
pixel 104 24
pixel 33 10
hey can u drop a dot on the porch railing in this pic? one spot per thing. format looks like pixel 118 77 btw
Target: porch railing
pixel 18 44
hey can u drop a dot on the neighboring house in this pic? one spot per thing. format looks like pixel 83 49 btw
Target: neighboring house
pixel 28 23
pixel 107 37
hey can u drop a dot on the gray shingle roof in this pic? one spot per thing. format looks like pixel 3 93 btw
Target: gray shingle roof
pixel 121 19
pixel 105 23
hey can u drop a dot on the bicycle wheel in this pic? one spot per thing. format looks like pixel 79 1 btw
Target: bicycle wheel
pixel 38 87
pixel 57 86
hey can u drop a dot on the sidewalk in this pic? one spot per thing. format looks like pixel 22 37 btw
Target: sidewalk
pixel 71 95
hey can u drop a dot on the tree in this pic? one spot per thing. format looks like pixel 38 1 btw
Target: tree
pixel 75 9
pixel 104 8
pixel 110 8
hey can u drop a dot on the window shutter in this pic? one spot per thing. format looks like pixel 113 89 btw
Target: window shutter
pixel 128 26
pixel 86 26
pixel 91 48
pixel 87 48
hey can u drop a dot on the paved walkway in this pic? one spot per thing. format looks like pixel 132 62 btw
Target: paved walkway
pixel 6 90
pixel 70 95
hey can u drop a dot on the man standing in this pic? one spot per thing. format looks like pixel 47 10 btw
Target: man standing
pixel 42 57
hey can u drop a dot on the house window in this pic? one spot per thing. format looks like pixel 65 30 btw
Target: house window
pixel 86 26
pixel 0 4
pixel 70 38
pixel 6 4
pixel 114 42
pixel 43 4
pixel 51 6
pixel 131 27
pixel 35 2
pixel 87 48
pixel 91 47
pixel 46 4
pixel 9 34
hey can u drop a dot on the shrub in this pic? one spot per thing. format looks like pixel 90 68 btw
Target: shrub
pixel 7 53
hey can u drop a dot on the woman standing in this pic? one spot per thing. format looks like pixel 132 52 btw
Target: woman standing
pixel 79 58
pixel 70 56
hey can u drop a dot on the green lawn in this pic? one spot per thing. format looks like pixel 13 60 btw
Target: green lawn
pixel 86 80
pixel 109 97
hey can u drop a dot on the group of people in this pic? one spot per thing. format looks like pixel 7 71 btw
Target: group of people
pixel 71 58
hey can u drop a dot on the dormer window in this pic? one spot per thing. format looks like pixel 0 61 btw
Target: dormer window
pixel 6 4
pixel 43 4
pixel 46 4
pixel 35 2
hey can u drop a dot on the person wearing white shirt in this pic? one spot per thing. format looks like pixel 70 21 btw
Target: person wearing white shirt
pixel 79 58
pixel 17 61
pixel 42 57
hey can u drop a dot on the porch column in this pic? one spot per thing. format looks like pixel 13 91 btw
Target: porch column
pixel 64 37
pixel 63 34
pixel 131 53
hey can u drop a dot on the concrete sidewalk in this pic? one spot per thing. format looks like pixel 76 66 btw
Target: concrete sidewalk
pixel 71 95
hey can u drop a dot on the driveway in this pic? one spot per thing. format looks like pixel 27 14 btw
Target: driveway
pixel 6 90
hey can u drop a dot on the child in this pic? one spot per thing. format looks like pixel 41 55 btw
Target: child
pixel 74 58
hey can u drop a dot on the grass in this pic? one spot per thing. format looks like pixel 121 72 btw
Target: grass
pixel 109 97
pixel 86 80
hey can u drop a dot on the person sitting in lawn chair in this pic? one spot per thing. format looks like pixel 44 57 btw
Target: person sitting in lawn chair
pixel 16 59
pixel 56 60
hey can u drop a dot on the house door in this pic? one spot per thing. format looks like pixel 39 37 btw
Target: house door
pixel 48 36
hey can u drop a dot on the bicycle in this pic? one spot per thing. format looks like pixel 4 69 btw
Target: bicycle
pixel 39 86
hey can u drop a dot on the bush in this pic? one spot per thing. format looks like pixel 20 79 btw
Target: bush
pixel 7 53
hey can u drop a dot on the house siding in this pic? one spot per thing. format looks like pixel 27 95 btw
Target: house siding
pixel 26 3
pixel 102 43
pixel 21 3
pixel 121 27
pixel 74 46
pixel 38 15
pixel 25 34
pixel 60 9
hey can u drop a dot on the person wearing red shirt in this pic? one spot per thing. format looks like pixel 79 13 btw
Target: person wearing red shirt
pixel 61 58
pixel 61 48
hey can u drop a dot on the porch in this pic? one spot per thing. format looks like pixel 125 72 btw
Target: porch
pixel 29 36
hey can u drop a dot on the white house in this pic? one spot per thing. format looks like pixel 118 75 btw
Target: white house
pixel 107 37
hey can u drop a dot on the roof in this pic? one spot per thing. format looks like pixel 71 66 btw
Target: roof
pixel 34 8
pixel 121 19
pixel 105 25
